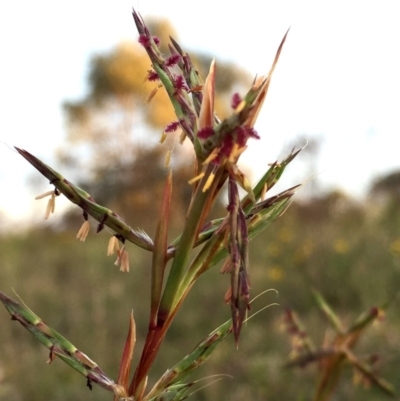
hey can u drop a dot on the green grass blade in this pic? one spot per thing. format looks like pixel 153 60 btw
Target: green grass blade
pixel 205 234
pixel 260 221
pixel 370 316
pixel 383 385
pixel 160 252
pixel 57 344
pixel 173 288
pixel 330 314
pixel 81 198
pixel 192 361
pixel 269 179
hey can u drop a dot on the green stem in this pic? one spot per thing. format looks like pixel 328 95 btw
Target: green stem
pixel 195 218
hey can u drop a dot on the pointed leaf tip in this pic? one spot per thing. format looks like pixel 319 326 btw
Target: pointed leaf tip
pixel 206 117
pixel 127 355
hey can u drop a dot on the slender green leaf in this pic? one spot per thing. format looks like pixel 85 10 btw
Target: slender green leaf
pixel 160 252
pixel 192 361
pixel 57 344
pixel 81 198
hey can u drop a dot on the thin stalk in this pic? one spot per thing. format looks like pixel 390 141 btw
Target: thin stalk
pixel 160 253
pixel 152 345
pixel 195 219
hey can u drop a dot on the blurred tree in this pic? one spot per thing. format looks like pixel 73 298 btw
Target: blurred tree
pixel 385 194
pixel 386 186
pixel 333 203
pixel 118 166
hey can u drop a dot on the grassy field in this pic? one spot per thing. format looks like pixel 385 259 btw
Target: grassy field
pixel 349 252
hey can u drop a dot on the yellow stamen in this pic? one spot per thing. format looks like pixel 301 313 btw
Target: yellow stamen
pixel 209 181
pixel 264 191
pixel 197 178
pixel 168 158
pixel 119 256
pixel 236 152
pixel 240 107
pixel 53 203
pixel 50 206
pixel 182 137
pixel 48 193
pixel 152 94
pixel 113 245
pixel 83 231
pixel 163 137
pixel 48 210
pixel 247 185
pixel 122 260
pixel 212 156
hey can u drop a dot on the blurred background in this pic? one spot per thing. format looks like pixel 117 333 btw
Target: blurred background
pixel 73 94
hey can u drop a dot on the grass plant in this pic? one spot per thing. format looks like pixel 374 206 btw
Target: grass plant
pixel 205 243
pixel 202 244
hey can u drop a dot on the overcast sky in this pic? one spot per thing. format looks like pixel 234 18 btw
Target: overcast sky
pixel 338 77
